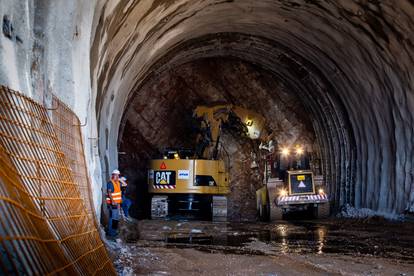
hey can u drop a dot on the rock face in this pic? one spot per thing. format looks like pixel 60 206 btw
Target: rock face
pixel 349 63
pixel 159 115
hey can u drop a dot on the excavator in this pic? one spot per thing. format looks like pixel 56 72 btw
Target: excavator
pixel 197 184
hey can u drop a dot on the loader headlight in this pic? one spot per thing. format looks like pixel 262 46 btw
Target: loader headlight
pixel 321 191
pixel 299 150
pixel 285 152
pixel 283 192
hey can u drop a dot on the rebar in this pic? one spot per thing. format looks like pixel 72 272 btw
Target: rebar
pixel 47 222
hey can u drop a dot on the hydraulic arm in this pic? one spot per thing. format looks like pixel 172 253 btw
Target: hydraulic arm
pixel 212 119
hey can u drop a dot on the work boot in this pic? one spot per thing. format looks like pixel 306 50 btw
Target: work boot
pixel 111 234
pixel 115 224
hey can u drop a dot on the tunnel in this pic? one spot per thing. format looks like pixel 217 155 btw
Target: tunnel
pixel 334 82
pixel 163 119
pixel 333 76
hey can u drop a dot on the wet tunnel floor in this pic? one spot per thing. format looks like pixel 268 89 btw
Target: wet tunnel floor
pixel 389 246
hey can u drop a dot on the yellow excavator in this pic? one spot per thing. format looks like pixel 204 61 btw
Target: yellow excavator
pixel 196 183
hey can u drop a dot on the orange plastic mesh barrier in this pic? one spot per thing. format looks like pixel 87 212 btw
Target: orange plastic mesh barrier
pixel 45 225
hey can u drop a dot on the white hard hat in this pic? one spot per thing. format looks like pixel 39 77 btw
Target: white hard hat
pixel 116 171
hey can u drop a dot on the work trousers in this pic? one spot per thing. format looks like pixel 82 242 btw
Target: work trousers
pixel 126 203
pixel 113 219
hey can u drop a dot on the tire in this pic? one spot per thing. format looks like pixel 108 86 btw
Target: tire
pixel 261 210
pixel 322 210
pixel 276 213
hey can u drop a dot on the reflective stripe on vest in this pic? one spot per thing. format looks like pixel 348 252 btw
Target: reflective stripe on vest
pixel 116 195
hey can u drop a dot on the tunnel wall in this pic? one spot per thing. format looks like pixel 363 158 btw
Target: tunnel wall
pixel 48 53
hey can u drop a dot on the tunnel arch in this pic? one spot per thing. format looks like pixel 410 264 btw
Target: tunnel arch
pixel 368 76
pixel 330 121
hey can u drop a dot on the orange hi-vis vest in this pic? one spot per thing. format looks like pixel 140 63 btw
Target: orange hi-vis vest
pixel 116 195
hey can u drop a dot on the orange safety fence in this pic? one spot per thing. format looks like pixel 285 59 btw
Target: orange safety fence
pixel 47 223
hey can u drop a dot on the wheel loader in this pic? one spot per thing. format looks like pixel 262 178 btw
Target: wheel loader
pixel 294 188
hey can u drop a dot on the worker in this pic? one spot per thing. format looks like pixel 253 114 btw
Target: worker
pixel 126 202
pixel 113 200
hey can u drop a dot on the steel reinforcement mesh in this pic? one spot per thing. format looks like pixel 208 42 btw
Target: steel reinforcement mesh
pixel 68 130
pixel 47 224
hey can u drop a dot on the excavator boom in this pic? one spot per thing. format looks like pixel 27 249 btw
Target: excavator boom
pixel 212 119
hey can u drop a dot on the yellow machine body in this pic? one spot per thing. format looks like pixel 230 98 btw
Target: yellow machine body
pixel 253 121
pixel 188 176
pixel 199 183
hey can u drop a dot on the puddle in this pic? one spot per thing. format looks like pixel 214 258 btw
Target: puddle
pixel 284 238
pixel 191 240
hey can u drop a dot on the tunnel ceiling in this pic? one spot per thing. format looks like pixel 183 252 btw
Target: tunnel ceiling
pixel 350 63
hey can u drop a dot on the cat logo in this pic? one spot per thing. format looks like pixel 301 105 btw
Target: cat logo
pixel 164 177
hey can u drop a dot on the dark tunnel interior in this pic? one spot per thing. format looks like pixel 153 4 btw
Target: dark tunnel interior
pixel 159 115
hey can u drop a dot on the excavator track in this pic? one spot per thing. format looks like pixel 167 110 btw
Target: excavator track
pixel 219 208
pixel 159 207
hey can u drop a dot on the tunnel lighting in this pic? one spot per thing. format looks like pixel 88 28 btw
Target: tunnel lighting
pixel 285 152
pixel 321 191
pixel 299 150
pixel 176 156
pixel 283 192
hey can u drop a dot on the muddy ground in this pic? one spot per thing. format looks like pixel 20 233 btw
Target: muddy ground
pixel 324 247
